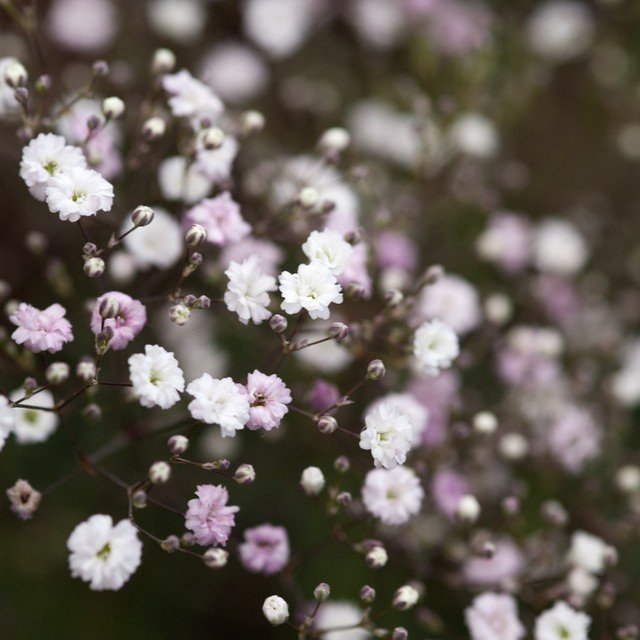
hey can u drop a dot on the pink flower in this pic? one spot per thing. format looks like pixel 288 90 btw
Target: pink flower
pixel 322 395
pixel 447 487
pixel 356 270
pixel 268 397
pixel 221 217
pixel 503 566
pixel 395 249
pixel 126 325
pixel 494 616
pixel 208 515
pixel 38 331
pixel 265 549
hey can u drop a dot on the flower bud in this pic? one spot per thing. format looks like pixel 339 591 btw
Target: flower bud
pixel 164 61
pixel 405 598
pixel 179 313
pixel 195 235
pixel 334 140
pixel 36 242
pixel 341 464
pixel 344 498
pixel 112 108
pixel 93 122
pixel 142 216
pixel 433 274
pixel 57 373
pixel 485 422
pixel 139 499
pixel 43 83
pixel 100 69
pixel 102 340
pixel 251 122
pixel 94 267
pixel 327 424
pixel 92 412
pixel 278 323
pixel 275 610
pixel 468 509
pixel 367 594
pixel 159 472
pixel 153 128
pixel 245 474
pixel 338 330
pixel 399 633
pixel 312 481
pixel 86 369
pixel 89 249
pixel 212 138
pixel 376 558
pixel 203 302
pixel 190 300
pixel 376 370
pixel 628 478
pixel 308 198
pixel 24 499
pixel 215 558
pixel 322 592
pixel 394 297
pixel 170 544
pixel 109 308
pixel 513 446
pixel 15 75
pixel 178 444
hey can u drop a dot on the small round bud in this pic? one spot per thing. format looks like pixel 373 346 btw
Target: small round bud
pixel 511 505
pixel 212 138
pixel 322 592
pixel 36 242
pixel 159 472
pixel 86 369
pixel 93 122
pixel 245 474
pixel 275 610
pixel 327 424
pixel 57 373
pixel 334 140
pixel 204 302
pixel 251 122
pixel 142 216
pixel 163 61
pixel 376 370
pixel 29 385
pixel 100 69
pixel 179 313
pixel 190 300
pixel 139 499
pixel 92 412
pixel 178 444
pixel 344 498
pixel 485 422
pixel 433 274
pixel 338 330
pixel 215 558
pixel 399 633
pixel 278 323
pixel 308 197
pixel 43 83
pixel 468 509
pixel 628 478
pixel 394 297
pixel 94 267
pixel 196 234
pixel 554 513
pixel 367 594
pixel 109 308
pixel 498 308
pixel 376 558
pixel 170 544
pixel 514 446
pixel 312 481
pixel 89 249
pixel 112 108
pixel 153 128
pixel 15 75
pixel 341 464
pixel 405 597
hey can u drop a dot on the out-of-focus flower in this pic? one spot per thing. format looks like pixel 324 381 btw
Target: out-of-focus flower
pixel 103 554
pixel 312 288
pixel 447 487
pixel 265 549
pixel 559 248
pixel 222 219
pixel 8 103
pixel 505 564
pixel 574 439
pixel 340 615
pixel 190 98
pixel 209 516
pixel 24 499
pixel 392 495
pixel 31 424
pixel 86 26
pixel 181 180
pixel 561 622
pixel 588 552
pixel 388 434
pixel 475 135
pixel 38 331
pixel 435 346
pixel 156 377
pixel 494 616
pixel 506 241
pixel 269 254
pixel 268 399
pixel 126 325
pixel 180 20
pixel 378 22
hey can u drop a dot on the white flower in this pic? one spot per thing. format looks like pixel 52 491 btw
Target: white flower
pixel 156 377
pixel 435 346
pixel 179 180
pixel 33 425
pixel 475 135
pixel 581 583
pixel 76 192
pixel 340 614
pixel 158 244
pixel 45 156
pixel 180 20
pixel 275 610
pixel 418 413
pixel 247 291
pixel 7 420
pixel 494 616
pixel 312 481
pixel 328 248
pixel 103 554
pixel 191 98
pixel 588 552
pixel 559 248
pixel 219 402
pixel 8 104
pixel 561 622
pixel 215 164
pixel 392 496
pixel 388 433
pixel 313 288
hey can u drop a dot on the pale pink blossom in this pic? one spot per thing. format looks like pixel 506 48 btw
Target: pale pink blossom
pixel 265 549
pixel 38 331
pixel 209 517
pixel 268 399
pixel 130 320
pixel 222 219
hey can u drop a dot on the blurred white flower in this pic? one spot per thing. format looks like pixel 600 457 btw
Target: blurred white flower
pixel 435 346
pixel 559 248
pixel 392 496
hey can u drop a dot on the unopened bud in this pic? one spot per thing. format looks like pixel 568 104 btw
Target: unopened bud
pixel 344 498
pixel 275 610
pixel 153 128
pixel 92 412
pixel 109 308
pixel 180 314
pixel 405 598
pixel 212 138
pixel 93 122
pixel 112 108
pixel 394 297
pixel 367 594
pixel 308 197
pixel 159 472
pixel 338 330
pixel 376 558
pixel 245 474
pixel 86 369
pixel 164 61
pixel 468 509
pixel 57 373
pixel 15 75
pixel 178 444
pixel 100 69
pixel 251 122
pixel 485 422
pixel 433 274
pixel 142 216
pixel 334 140
pixel 215 558
pixel 327 424
pixel 94 267
pixel 341 464
pixel 195 235
pixel 170 544
pixel 139 499
pixel 322 592
pixel 43 83
pixel 376 370
pixel 278 323
pixel 203 302
pixel 554 513
pixel 312 481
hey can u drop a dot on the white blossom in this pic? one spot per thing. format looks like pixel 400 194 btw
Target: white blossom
pixel 247 290
pixel 190 97
pixel 392 496
pixel 435 346
pixel 8 104
pixel 561 622
pixel 180 180
pixel 33 425
pixel 275 610
pixel 103 554
pixel 588 552
pixel 156 377
pixel 494 616
pixel 328 248
pixel 312 288
pixel 388 434
pixel 559 248
pixel 312 481
pixel 7 420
